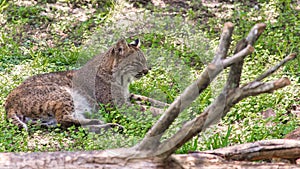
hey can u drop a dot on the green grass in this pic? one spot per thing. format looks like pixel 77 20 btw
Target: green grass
pixel 33 41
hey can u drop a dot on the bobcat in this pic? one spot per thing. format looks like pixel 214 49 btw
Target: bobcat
pixel 64 97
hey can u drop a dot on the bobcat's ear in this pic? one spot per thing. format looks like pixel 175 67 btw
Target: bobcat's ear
pixel 120 48
pixel 136 43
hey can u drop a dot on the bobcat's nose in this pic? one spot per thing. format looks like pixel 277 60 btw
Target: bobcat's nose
pixel 145 71
pixel 141 73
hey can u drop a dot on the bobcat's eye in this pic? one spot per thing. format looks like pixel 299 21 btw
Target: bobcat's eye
pixel 120 50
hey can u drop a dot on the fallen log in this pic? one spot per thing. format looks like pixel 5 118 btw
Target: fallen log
pixel 238 156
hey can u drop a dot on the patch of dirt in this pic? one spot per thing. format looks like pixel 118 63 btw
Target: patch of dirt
pixel 196 9
pixel 44 141
pixel 52 24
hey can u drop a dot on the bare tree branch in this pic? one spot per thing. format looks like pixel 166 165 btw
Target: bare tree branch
pixel 225 41
pixel 255 32
pixel 235 72
pixel 185 99
pixel 189 95
pixel 217 110
pixel 256 88
pixel 238 56
pixel 195 89
pixel 276 67
pixel 220 106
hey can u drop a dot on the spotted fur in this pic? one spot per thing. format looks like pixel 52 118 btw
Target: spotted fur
pixel 64 97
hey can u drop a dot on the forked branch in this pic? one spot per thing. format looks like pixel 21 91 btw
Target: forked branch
pixel 230 95
pixel 235 72
pixel 194 90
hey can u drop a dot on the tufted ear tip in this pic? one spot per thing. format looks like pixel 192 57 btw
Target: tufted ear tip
pixel 121 41
pixel 136 43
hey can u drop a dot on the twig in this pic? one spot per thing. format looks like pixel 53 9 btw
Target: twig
pixel 276 67
pixel 255 88
pixel 237 57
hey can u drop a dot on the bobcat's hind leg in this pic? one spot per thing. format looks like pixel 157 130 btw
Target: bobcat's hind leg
pixel 16 120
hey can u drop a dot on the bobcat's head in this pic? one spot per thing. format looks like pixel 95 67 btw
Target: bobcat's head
pixel 129 61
